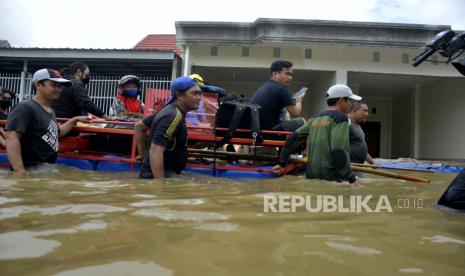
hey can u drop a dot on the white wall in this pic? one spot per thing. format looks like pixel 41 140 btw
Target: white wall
pixel 442 131
pixel 442 119
pixel 324 57
pixel 315 99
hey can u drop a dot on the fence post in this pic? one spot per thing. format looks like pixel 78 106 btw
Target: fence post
pixel 22 85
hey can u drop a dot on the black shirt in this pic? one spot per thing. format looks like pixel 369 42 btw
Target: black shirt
pixel 3 116
pixel 358 145
pixel 39 140
pixel 272 97
pixel 168 129
pixel 74 101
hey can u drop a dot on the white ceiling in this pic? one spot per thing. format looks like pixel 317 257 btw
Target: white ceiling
pixel 386 85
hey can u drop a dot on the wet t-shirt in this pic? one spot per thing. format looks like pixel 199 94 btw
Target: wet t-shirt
pixel 167 129
pixel 39 129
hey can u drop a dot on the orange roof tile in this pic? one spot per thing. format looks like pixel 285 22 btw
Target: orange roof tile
pixel 161 42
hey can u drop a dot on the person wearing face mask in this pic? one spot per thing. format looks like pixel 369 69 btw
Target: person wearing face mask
pixel 74 100
pixel 126 104
pixel 6 99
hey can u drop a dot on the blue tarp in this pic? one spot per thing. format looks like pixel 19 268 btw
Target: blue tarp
pixel 444 168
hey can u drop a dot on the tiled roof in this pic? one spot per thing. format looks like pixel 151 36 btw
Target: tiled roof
pixel 4 44
pixel 161 42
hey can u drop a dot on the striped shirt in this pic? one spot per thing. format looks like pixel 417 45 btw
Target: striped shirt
pixel 168 129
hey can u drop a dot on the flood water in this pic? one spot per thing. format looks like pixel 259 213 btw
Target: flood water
pixel 64 221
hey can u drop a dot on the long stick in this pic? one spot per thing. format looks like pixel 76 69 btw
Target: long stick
pixel 390 168
pixel 210 153
pixel 391 174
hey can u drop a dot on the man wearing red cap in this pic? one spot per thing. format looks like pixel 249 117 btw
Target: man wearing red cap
pixel 167 151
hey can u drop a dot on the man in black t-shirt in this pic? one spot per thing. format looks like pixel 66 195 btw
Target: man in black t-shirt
pixel 32 131
pixel 274 95
pixel 74 100
pixel 167 150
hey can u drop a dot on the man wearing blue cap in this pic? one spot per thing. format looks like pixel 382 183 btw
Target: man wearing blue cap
pixel 167 151
pixel 32 131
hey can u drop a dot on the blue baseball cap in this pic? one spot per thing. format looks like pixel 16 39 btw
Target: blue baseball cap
pixel 180 84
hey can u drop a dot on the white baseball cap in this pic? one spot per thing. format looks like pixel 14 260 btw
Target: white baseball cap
pixel 50 74
pixel 341 91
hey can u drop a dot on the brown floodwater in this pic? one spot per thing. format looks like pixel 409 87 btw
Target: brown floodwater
pixel 65 221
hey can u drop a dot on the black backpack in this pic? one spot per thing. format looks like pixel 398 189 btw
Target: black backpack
pixel 235 113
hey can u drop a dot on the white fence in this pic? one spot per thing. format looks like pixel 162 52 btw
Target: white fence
pixel 101 89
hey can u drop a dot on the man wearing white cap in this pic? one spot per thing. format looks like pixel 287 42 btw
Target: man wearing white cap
pixel 327 137
pixel 32 131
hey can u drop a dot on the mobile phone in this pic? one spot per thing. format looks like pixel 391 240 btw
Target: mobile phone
pixel 300 93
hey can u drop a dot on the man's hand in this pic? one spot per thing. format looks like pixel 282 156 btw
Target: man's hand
pixel 20 172
pixel 83 119
pixel 278 170
pixel 112 118
pixel 139 158
pixel 355 184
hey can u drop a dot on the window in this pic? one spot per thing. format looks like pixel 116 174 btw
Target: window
pixel 245 51
pixel 276 52
pixel 405 58
pixel 214 51
pixel 375 56
pixel 308 53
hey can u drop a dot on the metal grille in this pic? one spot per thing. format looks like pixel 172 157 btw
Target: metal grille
pixel 101 89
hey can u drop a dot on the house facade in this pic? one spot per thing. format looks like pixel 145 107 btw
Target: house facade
pixel 414 111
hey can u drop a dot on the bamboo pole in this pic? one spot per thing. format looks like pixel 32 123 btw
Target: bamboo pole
pixel 210 153
pixel 391 174
pixel 390 168
pixel 355 167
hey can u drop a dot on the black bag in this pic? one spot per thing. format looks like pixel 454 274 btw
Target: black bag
pixel 235 113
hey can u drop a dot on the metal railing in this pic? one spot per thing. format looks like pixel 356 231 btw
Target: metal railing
pixel 101 89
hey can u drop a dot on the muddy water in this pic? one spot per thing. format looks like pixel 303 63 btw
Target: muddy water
pixel 65 221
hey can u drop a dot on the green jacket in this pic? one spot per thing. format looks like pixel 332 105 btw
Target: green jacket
pixel 327 137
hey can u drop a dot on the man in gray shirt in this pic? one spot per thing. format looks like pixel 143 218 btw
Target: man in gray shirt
pixel 358 146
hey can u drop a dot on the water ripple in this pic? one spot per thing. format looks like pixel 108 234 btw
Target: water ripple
pixel 166 214
pixel 362 251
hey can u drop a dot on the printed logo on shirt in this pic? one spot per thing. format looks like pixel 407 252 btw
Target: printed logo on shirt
pixel 321 122
pixel 51 137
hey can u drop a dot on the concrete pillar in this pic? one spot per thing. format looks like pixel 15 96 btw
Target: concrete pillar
pixel 340 77
pixel 416 122
pixel 187 67
pixel 174 70
pixel 22 85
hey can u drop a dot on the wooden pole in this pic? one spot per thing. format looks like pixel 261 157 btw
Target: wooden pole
pixel 210 153
pixel 391 168
pixel 391 174
pixel 355 167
